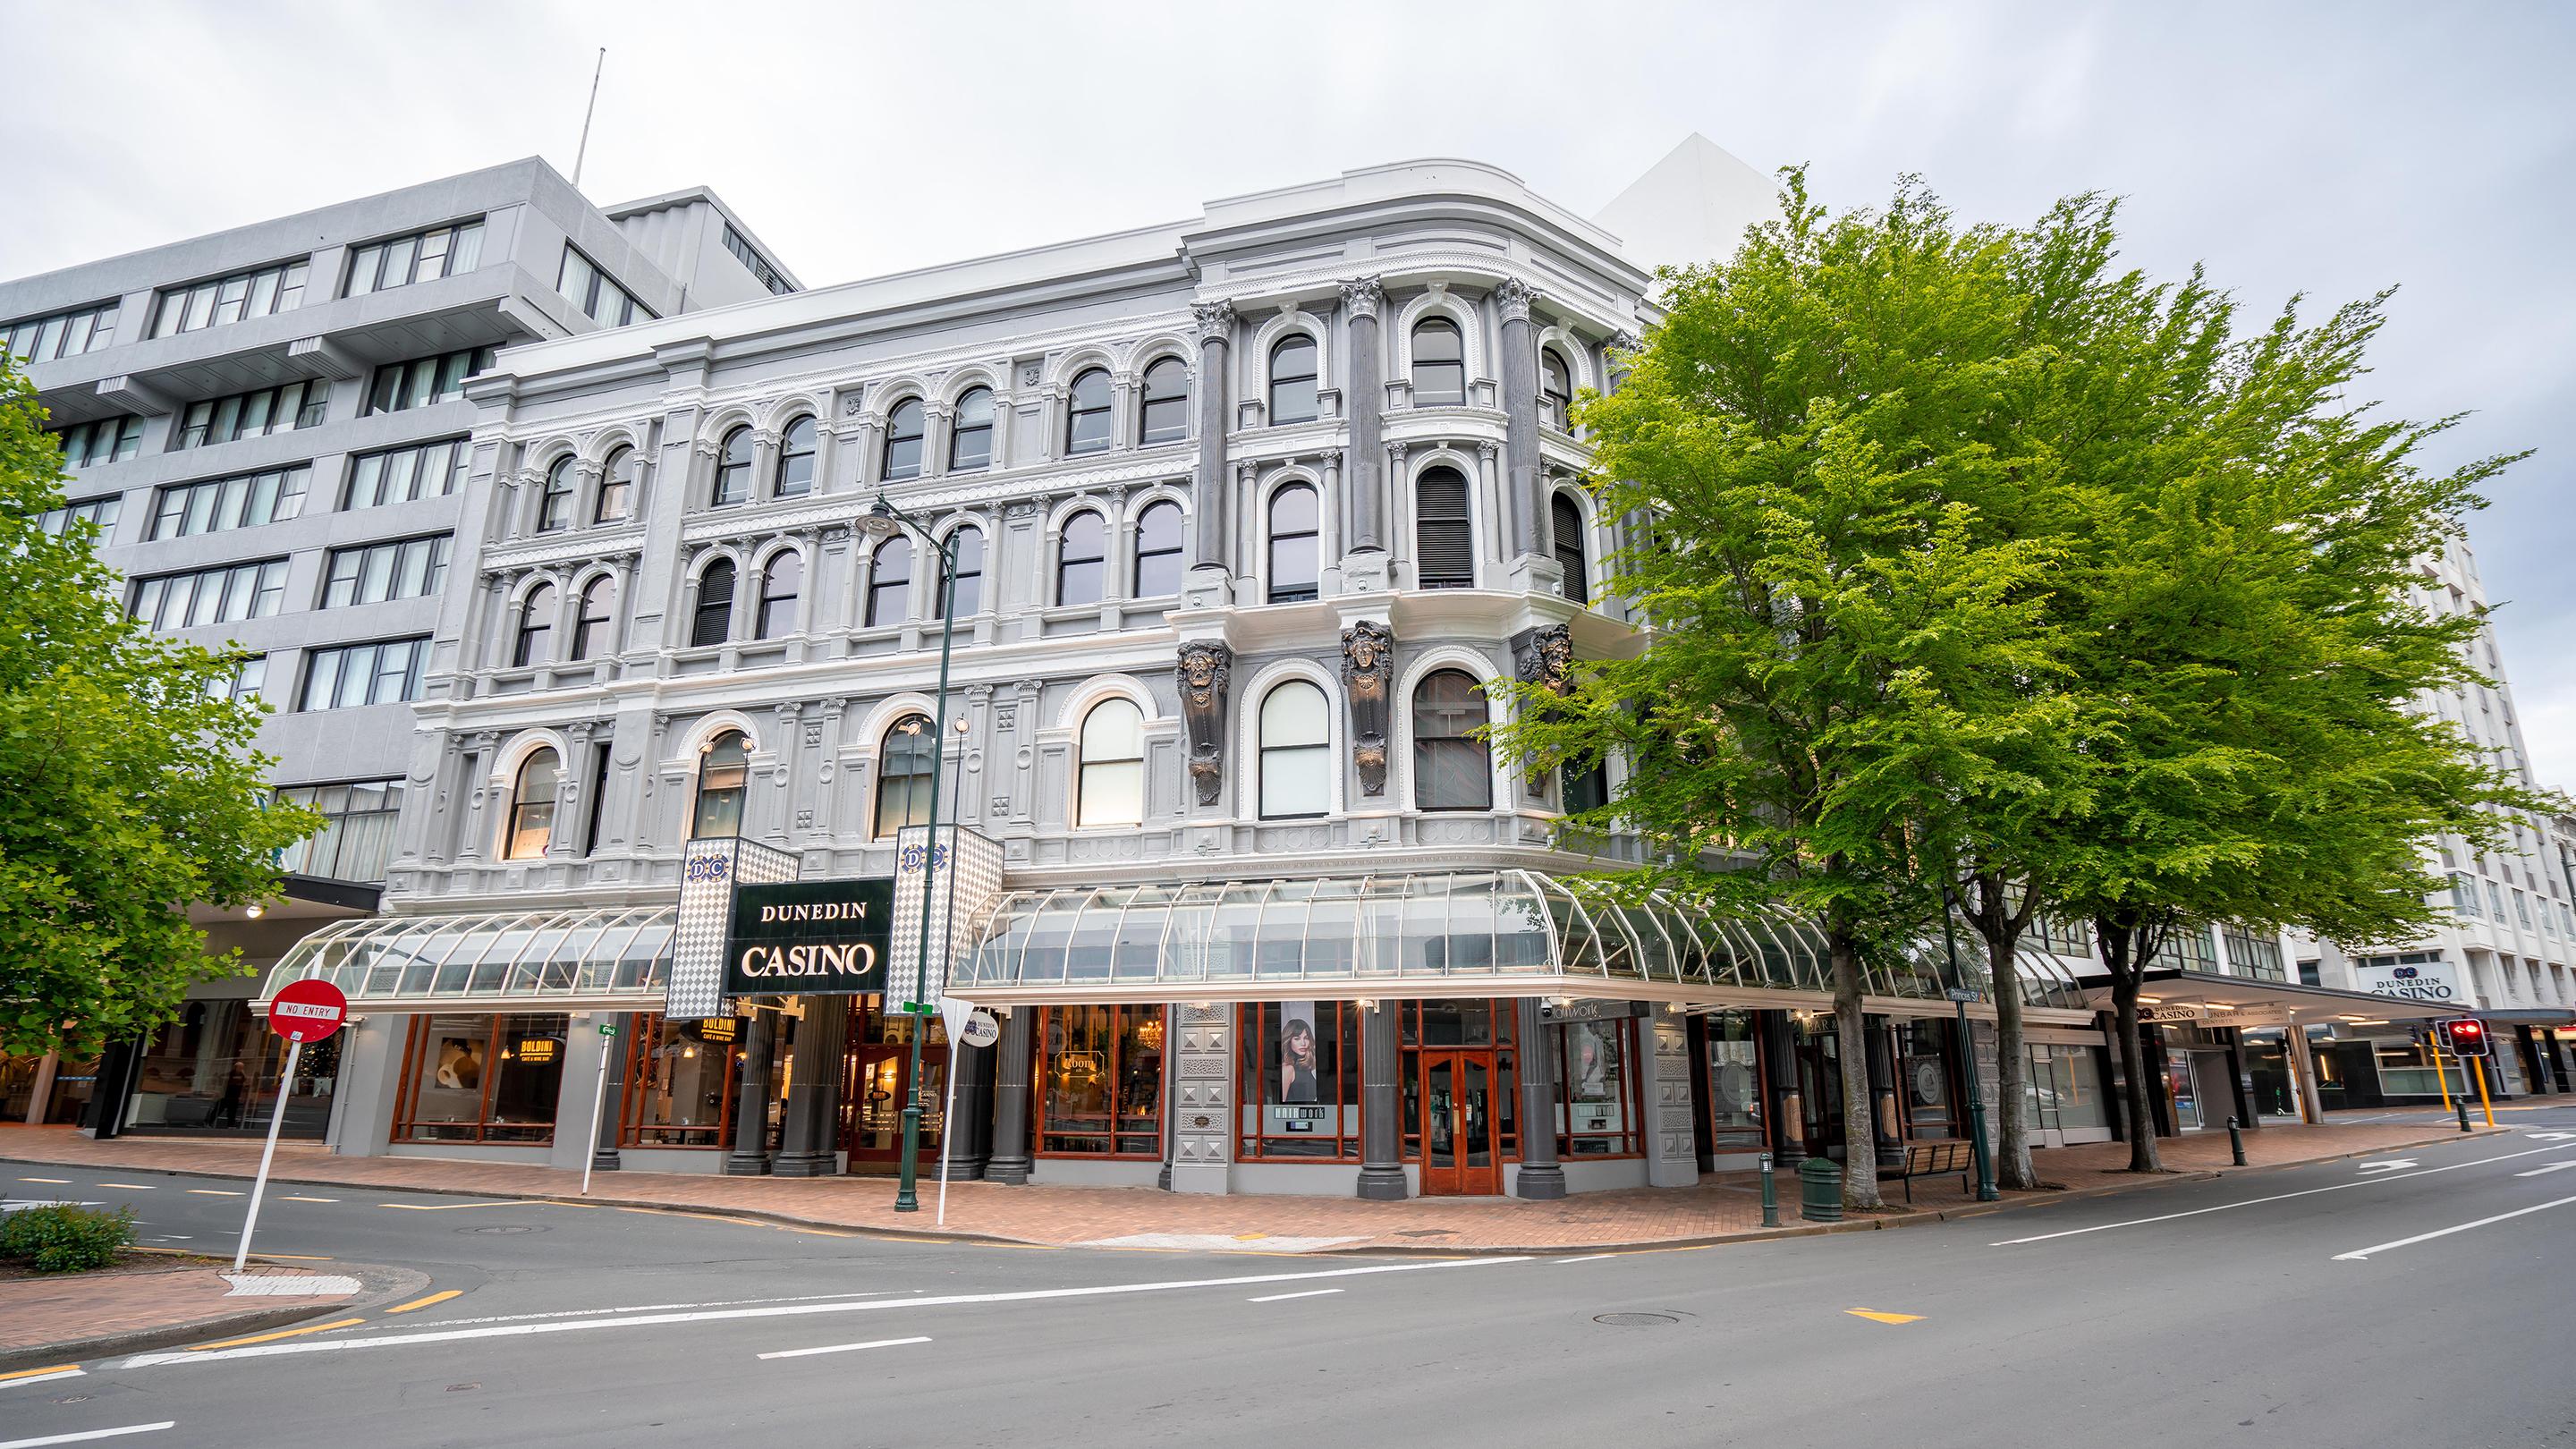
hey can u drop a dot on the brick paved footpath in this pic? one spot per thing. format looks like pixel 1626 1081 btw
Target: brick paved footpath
pixel 147 1295
pixel 1723 1205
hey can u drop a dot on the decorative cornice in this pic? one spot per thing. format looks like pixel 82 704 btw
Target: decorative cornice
pixel 580 546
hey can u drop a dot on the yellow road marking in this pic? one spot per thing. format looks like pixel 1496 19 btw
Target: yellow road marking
pixel 1874 1316
pixel 308 1199
pixel 440 1297
pixel 131 1186
pixel 282 1333
pixel 60 1368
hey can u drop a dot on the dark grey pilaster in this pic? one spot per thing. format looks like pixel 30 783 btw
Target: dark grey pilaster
pixel 1541 1179
pixel 1520 428
pixel 1381 1129
pixel 1010 1160
pixel 1216 338
pixel 750 1154
pixel 1364 476
pixel 603 1150
pixel 813 1087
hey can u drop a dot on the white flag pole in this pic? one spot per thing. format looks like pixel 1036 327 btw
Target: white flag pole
pixel 947 1128
pixel 598 1100
pixel 276 1119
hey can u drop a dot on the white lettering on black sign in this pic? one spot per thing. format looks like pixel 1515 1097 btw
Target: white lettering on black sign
pixel 794 961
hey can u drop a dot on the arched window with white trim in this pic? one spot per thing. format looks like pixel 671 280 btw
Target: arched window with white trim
pixel 1293 397
pixel 733 468
pixel 970 431
pixel 554 508
pixel 591 624
pixel 1164 415
pixel 1566 521
pixel 712 622
pixel 616 489
pixel 1555 390
pixel 1296 752
pixel 1453 768
pixel 1439 363
pixel 724 774
pixel 968 545
pixel 780 583
pixel 1082 559
pixel 903 441
pixel 890 583
pixel 535 641
pixel 532 806
pixel 1296 559
pixel 1444 533
pixel 1110 788
pixel 796 449
pixel 1158 551
pixel 904 762
pixel 1087 413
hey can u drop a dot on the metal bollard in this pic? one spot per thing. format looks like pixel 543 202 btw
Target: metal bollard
pixel 1770 1195
pixel 2461 1104
pixel 2236 1141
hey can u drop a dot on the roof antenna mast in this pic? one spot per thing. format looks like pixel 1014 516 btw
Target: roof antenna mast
pixel 586 112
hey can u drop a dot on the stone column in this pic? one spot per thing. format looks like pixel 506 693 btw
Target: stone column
pixel 1521 500
pixel 973 1137
pixel 1381 1103
pixel 750 1154
pixel 2238 1092
pixel 1364 479
pixel 1010 1160
pixel 1216 334
pixel 612 1109
pixel 1541 1178
pixel 813 1088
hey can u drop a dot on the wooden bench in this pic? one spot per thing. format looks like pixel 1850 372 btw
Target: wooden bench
pixel 1932 1159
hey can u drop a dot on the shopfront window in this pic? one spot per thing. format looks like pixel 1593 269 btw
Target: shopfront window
pixel 1100 1081
pixel 1923 1070
pixel 1596 1091
pixel 215 1068
pixel 477 1078
pixel 1734 1082
pixel 2407 1069
pixel 680 1078
pixel 1301 1081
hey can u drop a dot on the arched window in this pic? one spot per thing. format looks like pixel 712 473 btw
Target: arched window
pixel 903 440
pixel 1295 559
pixel 795 459
pixel 970 432
pixel 1081 564
pixel 968 544
pixel 1112 782
pixel 722 773
pixel 1086 418
pixel 1439 364
pixel 779 585
pixel 1444 537
pixel 616 488
pixel 733 468
pixel 903 775
pixel 590 627
pixel 1292 380
pixel 1555 390
pixel 1586 787
pixel 532 807
pixel 1296 752
pixel 890 583
pixel 713 623
pixel 1566 521
pixel 1158 551
pixel 1452 769
pixel 1165 416
pixel 536 627
pixel 554 510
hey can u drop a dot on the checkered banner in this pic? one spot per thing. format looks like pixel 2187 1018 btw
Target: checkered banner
pixel 968 881
pixel 710 867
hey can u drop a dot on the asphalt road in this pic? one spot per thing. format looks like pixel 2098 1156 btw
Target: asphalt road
pixel 2411 1300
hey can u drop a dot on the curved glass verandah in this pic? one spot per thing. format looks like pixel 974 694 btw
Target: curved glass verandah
pixel 514 959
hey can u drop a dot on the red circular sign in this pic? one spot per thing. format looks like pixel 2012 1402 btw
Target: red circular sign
pixel 307 1010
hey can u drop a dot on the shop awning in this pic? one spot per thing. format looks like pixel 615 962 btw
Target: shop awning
pixel 509 961
pixel 1485 933
pixel 2217 1000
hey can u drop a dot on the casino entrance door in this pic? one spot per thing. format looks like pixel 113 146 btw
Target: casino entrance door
pixel 875 1081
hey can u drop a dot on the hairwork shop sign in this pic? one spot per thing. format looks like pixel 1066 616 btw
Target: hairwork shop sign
pixel 818 937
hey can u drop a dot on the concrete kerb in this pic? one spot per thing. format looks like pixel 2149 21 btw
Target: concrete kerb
pixel 380 1284
pixel 929 1234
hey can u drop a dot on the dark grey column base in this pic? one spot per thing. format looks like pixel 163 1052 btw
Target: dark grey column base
pixel 966 1169
pixel 1383 1184
pixel 603 1159
pixel 1540 1184
pixel 1010 1171
pixel 746 1165
pixel 802 1164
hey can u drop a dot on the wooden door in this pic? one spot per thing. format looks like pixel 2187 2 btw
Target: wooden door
pixel 1461 1154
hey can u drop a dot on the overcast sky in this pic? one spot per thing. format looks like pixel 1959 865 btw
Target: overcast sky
pixel 2331 149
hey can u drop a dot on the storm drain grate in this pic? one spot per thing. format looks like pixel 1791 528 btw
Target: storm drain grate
pixel 1635 1320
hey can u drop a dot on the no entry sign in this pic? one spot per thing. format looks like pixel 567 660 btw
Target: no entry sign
pixel 307 1010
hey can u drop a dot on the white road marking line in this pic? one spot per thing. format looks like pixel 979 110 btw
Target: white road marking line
pixel 644 1320
pixel 1587 1258
pixel 69 1373
pixel 11 1207
pixel 843 1347
pixel 653 1308
pixel 2354 1257
pixel 1284 1297
pixel 205 1192
pixel 273 1285
pixel 308 1199
pixel 2545 1171
pixel 2371 1181
pixel 131 1186
pixel 56 1181
pixel 88 1434
pixel 443 1207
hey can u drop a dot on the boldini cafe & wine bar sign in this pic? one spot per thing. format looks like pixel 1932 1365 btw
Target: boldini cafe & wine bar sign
pixel 824 937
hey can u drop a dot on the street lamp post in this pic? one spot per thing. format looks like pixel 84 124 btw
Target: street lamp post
pixel 1979 1142
pixel 884 520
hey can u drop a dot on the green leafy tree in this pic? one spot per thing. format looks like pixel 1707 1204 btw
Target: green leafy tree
pixel 128 789
pixel 1842 644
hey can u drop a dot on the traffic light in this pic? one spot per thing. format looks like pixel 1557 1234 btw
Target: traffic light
pixel 2464 1036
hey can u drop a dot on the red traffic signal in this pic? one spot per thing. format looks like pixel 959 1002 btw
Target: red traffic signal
pixel 2464 1036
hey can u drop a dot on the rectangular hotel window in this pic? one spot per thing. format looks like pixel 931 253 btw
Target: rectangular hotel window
pixel 386 672
pixel 2258 957
pixel 750 257
pixel 211 596
pixel 64 334
pixel 101 510
pixel 1100 1081
pixel 245 682
pixel 680 1080
pixel 595 294
pixel 478 1078
pixel 424 381
pixel 108 440
pixel 425 256
pixel 215 505
pixel 230 299
pixel 356 841
pixel 406 475
pixel 412 568
pixel 1596 1088
pixel 1301 1081
pixel 252 414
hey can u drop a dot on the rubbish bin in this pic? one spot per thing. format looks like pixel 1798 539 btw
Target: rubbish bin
pixel 1820 1191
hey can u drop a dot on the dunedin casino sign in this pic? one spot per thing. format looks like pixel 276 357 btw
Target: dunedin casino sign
pixel 825 937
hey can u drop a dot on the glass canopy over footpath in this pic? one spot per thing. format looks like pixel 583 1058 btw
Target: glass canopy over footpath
pixel 1470 934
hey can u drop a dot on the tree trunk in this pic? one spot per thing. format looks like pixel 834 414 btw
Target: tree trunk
pixel 2013 1170
pixel 1860 1114
pixel 2119 952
